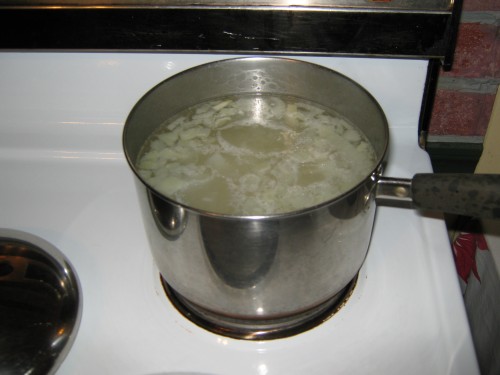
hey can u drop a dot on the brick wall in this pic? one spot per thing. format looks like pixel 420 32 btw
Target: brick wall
pixel 465 95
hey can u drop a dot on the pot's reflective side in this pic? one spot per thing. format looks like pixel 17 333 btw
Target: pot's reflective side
pixel 241 252
pixel 260 268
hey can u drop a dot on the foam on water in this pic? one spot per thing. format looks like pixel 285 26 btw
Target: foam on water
pixel 255 155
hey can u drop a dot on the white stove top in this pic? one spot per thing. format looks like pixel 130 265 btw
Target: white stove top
pixel 64 178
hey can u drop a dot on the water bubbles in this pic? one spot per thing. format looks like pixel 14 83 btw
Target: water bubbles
pixel 256 154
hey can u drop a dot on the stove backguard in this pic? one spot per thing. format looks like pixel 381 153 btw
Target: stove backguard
pixel 422 29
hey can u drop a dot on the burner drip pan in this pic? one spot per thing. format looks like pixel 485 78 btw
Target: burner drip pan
pixel 259 329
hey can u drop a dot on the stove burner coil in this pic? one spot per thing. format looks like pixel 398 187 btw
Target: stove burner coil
pixel 259 329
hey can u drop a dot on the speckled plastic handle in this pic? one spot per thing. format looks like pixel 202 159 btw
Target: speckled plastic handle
pixel 476 195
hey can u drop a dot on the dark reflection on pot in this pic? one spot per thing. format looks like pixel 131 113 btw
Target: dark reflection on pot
pixel 170 219
pixel 241 252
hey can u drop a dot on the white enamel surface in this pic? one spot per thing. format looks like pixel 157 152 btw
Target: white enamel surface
pixel 64 178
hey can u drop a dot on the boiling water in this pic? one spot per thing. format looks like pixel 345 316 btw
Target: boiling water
pixel 255 155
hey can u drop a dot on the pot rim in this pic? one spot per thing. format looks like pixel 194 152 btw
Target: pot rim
pixel 373 175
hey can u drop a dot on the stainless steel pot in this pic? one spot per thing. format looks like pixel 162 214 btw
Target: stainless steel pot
pixel 257 274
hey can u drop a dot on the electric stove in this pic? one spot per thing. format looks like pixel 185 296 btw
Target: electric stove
pixel 64 178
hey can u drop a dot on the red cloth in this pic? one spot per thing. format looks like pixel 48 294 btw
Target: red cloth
pixel 464 251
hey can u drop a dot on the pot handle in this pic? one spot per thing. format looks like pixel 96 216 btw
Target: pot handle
pixel 476 195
